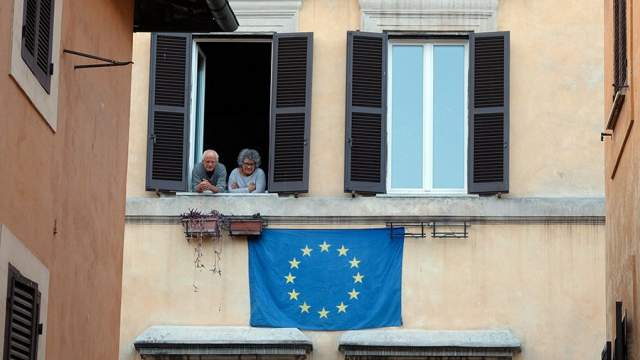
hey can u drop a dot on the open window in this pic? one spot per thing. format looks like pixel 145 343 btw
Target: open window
pixel 427 114
pixel 228 93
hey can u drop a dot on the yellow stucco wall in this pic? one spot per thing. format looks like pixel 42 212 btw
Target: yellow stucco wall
pixel 556 96
pixel 544 282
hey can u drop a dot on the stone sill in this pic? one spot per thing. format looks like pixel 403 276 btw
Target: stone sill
pixel 374 210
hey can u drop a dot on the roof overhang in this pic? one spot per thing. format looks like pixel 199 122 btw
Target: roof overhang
pixel 424 343
pixel 208 342
pixel 184 16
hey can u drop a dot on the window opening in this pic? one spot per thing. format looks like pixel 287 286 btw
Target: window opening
pixel 232 87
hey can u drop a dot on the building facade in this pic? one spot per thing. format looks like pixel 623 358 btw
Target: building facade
pixel 64 137
pixel 621 164
pixel 454 118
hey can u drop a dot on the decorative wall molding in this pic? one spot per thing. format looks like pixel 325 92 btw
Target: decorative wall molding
pixel 429 15
pixel 267 15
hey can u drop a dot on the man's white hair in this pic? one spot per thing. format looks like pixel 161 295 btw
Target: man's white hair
pixel 210 152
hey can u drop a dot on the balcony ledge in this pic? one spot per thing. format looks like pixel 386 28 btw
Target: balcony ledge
pixel 373 210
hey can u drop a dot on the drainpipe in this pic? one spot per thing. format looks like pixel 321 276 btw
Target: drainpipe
pixel 223 15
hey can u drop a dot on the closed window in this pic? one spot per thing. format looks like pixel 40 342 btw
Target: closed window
pixel 427 117
pixel 427 114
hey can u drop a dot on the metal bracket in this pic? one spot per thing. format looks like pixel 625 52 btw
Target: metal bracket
pixel 109 62
pixel 452 230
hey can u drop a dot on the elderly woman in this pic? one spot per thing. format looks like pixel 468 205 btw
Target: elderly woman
pixel 247 177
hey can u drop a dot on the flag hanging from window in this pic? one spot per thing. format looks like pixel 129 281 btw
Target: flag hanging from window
pixel 326 279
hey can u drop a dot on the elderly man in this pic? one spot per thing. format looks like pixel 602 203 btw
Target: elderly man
pixel 209 174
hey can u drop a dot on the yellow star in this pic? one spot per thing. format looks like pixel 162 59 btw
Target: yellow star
pixel 306 251
pixel 289 278
pixel 294 263
pixel 324 247
pixel 357 278
pixel 342 307
pixel 293 295
pixel 342 251
pixel 353 294
pixel 323 313
pixel 355 262
pixel 304 308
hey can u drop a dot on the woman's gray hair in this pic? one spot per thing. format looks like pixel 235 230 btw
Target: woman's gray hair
pixel 249 154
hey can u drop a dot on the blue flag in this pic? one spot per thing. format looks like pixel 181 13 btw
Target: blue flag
pixel 326 279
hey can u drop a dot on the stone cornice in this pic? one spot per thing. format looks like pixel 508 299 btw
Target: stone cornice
pixel 267 15
pixel 429 15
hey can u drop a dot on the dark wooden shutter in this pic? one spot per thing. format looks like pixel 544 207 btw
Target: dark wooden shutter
pixel 37 39
pixel 290 113
pixel 22 326
pixel 169 86
pixel 366 125
pixel 620 43
pixel 489 113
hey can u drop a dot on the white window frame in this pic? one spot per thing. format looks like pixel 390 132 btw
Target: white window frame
pixel 427 116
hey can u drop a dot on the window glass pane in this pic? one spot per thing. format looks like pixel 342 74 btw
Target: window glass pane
pixel 448 116
pixel 406 117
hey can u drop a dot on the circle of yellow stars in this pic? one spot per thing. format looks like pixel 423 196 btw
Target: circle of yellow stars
pixel 294 295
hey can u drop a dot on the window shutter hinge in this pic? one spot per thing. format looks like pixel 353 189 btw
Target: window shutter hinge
pixel 40 326
pixel 50 68
pixel 24 27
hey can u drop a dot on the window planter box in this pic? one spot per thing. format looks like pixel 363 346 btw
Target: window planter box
pixel 245 226
pixel 201 227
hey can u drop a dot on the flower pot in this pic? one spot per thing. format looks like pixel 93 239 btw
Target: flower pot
pixel 245 226
pixel 201 227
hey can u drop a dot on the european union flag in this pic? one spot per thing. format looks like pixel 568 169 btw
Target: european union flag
pixel 326 279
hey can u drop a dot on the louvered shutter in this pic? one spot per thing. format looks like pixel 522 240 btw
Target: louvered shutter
pixel 290 113
pixel 22 320
pixel 37 39
pixel 489 113
pixel 620 43
pixel 167 144
pixel 366 126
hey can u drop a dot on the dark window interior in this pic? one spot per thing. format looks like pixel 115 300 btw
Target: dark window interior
pixel 237 98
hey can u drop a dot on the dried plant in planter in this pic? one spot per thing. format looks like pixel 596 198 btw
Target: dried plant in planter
pixel 200 226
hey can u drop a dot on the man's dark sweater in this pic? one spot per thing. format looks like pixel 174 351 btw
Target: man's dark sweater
pixel 218 177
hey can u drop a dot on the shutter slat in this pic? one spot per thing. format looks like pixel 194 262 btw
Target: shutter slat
pixel 289 135
pixel 169 86
pixel 489 131
pixel 365 148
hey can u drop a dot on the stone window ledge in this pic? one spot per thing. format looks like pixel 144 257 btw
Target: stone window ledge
pixel 372 210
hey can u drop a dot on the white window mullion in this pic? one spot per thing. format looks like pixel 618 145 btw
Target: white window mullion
pixel 427 116
pixel 389 112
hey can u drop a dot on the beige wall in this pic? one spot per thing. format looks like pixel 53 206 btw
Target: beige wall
pixel 63 193
pixel 544 282
pixel 556 96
